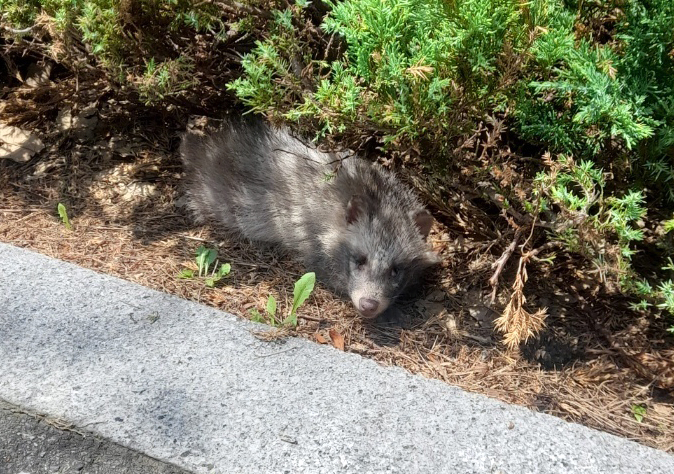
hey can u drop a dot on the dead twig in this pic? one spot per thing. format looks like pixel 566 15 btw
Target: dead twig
pixel 500 263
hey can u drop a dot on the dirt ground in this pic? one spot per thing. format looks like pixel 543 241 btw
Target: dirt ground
pixel 114 166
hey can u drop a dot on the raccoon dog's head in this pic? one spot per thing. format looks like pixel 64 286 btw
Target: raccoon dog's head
pixel 387 251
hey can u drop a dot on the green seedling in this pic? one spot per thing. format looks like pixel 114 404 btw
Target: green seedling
pixel 186 274
pixel 270 310
pixel 256 316
pixel 638 411
pixel 303 288
pixel 271 307
pixel 218 274
pixel 63 214
pixel 206 257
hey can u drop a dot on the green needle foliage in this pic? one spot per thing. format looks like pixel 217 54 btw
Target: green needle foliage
pixel 584 87
pixel 143 44
pixel 424 72
pixel 411 67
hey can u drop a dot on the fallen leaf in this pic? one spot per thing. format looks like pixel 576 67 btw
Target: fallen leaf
pixel 18 145
pixel 320 339
pixel 337 339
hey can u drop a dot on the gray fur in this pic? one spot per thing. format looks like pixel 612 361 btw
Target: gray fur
pixel 330 209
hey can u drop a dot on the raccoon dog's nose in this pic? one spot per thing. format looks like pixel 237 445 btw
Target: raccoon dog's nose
pixel 368 307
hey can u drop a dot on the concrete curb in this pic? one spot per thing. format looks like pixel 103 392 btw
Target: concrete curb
pixel 190 385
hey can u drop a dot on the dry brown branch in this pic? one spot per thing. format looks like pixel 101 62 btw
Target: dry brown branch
pixel 516 322
pixel 500 263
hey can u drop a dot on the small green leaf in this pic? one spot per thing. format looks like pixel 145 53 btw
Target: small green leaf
pixel 205 257
pixel 186 274
pixel 224 270
pixel 669 225
pixel 218 274
pixel 639 411
pixel 670 264
pixel 291 320
pixel 640 306
pixel 255 316
pixel 303 288
pixel 271 306
pixel 63 214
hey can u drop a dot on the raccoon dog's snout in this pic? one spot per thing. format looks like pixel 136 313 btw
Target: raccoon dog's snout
pixel 353 223
pixel 368 307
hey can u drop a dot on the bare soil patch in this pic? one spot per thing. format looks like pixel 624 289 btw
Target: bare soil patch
pixel 114 165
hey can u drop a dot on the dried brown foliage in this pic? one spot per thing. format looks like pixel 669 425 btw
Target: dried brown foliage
pixel 516 323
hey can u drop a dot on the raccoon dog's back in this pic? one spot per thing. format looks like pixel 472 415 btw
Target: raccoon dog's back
pixel 361 230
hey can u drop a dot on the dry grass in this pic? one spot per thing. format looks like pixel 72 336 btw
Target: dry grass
pixel 123 197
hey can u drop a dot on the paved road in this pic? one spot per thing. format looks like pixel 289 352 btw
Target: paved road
pixel 189 385
pixel 35 445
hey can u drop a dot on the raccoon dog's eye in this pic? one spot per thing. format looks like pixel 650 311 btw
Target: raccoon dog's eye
pixel 360 261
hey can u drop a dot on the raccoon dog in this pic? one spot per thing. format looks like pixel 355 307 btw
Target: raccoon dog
pixel 361 230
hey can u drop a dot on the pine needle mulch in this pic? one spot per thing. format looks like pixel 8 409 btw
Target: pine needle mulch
pixel 124 201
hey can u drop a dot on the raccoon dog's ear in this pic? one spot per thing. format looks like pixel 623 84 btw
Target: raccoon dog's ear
pixel 355 208
pixel 424 221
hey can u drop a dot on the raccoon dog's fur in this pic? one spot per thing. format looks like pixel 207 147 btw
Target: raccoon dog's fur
pixel 361 230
